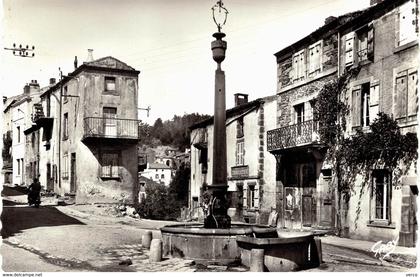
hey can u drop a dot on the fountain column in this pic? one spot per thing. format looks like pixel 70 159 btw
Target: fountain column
pixel 218 217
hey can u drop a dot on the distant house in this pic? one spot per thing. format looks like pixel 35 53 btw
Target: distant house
pixel 250 168
pixel 160 173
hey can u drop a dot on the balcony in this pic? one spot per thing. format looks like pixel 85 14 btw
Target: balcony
pixel 291 136
pixel 110 129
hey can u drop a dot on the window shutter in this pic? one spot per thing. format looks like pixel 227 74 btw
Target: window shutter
pixel 301 65
pixel 349 49
pixel 312 59
pixel 370 43
pixel 356 105
pixel 412 93
pixel 407 22
pixel 400 98
pixel 256 197
pixel 295 66
pixel 245 196
pixel 374 102
pixel 308 111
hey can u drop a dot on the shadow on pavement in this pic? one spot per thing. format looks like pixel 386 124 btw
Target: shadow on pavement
pixel 13 191
pixel 16 219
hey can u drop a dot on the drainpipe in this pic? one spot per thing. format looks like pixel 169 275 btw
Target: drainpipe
pixel 59 129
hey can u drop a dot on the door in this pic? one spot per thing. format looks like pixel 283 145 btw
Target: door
pixel 73 173
pixel 50 179
pixel 110 122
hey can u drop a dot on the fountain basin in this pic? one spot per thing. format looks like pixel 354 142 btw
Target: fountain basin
pixel 290 251
pixel 209 246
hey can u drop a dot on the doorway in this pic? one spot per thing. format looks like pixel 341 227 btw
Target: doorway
pixel 73 173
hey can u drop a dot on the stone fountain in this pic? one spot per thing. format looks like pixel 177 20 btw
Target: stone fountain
pixel 218 241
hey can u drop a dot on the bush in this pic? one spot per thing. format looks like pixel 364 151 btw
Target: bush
pixel 158 204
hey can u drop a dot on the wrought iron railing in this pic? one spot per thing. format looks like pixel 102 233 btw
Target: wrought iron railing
pixel 111 128
pixel 292 135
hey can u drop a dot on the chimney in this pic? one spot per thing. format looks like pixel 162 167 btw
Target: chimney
pixel 26 89
pixel 52 81
pixel 34 83
pixel 90 55
pixel 374 2
pixel 75 62
pixel 329 19
pixel 240 98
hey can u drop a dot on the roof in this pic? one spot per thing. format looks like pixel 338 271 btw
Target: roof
pixel 340 23
pixel 235 111
pixel 106 64
pixel 158 166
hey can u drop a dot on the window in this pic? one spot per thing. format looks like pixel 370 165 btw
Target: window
pixel 298 66
pixel 240 127
pixel 361 41
pixel 365 104
pixel 251 195
pixel 203 160
pixel 299 113
pixel 315 58
pixel 407 23
pixel 65 93
pixel 157 176
pixel 405 95
pixel 18 166
pixel 110 165
pixel 22 166
pixel 65 169
pixel 240 153
pixel 162 176
pixel 48 105
pixel 66 126
pixel 18 133
pixel 109 83
pixel 381 195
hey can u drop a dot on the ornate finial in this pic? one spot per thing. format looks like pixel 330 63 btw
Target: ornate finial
pixel 219 15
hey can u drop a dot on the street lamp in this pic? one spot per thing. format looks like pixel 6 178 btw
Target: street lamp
pixel 217 217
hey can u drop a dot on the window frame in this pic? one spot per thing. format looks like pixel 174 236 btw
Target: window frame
pixel 102 166
pixel 411 5
pixel 386 197
pixel 110 80
pixel 240 152
pixel 403 103
pixel 65 126
pixel 65 169
pixel 315 71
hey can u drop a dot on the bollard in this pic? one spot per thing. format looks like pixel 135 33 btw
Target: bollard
pixel 257 260
pixel 146 239
pixel 155 251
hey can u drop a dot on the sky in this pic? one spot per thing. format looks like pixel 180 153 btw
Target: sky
pixel 168 41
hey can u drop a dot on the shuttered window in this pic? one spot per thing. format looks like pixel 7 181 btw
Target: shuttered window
pixel 110 162
pixel 405 95
pixel 251 196
pixel 374 101
pixel 298 66
pixel 407 22
pixel 240 153
pixel 315 58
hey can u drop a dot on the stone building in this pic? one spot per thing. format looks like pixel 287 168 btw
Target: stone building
pixel 250 169
pixel 382 41
pixel 89 132
pixel 17 117
pixel 158 172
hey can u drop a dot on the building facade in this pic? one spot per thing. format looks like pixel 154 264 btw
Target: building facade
pixel 250 171
pixel 383 44
pixel 381 41
pixel 158 172
pixel 89 132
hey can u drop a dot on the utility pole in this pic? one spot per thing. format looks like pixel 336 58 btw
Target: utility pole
pixel 59 128
pixel 24 52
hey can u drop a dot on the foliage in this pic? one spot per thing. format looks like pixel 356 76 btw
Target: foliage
pixel 174 132
pixel 7 144
pixel 178 188
pixel 158 204
pixel 382 146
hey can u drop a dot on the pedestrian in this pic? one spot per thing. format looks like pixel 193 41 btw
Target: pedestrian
pixel 34 193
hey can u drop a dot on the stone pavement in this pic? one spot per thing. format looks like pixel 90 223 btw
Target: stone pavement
pixel 405 256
